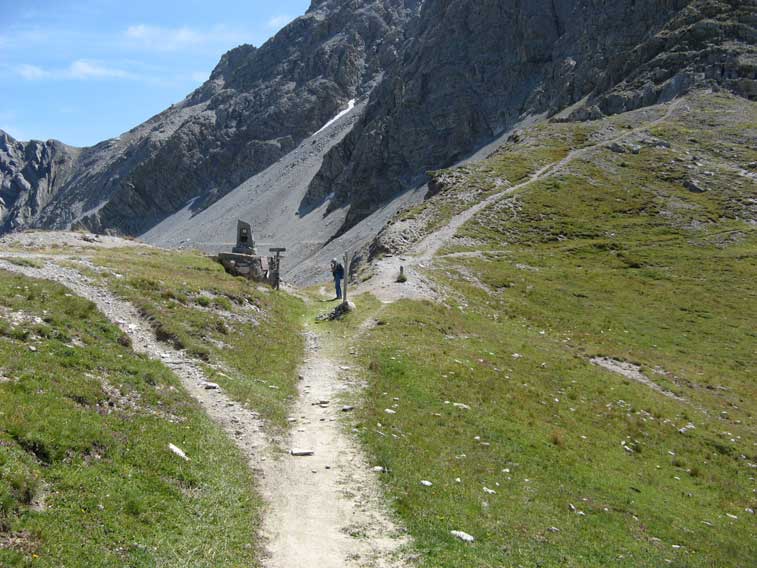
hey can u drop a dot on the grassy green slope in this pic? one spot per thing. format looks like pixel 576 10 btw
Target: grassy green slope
pixel 249 335
pixel 614 257
pixel 86 476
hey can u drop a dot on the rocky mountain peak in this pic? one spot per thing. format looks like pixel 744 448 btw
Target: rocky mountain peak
pixel 258 104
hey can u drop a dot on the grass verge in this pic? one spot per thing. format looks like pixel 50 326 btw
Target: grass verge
pixel 86 475
pixel 545 458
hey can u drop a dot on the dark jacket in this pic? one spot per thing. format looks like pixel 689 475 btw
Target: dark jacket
pixel 338 271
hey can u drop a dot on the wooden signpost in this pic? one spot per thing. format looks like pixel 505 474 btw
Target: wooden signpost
pixel 277 265
pixel 347 260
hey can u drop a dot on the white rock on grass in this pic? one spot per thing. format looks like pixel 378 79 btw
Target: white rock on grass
pixel 390 411
pixel 489 491
pixel 176 450
pixel 464 536
pixel 426 483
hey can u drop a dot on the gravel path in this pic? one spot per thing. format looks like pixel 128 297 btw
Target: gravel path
pixel 325 510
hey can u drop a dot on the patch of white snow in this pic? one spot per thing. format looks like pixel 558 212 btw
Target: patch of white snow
pixel 350 106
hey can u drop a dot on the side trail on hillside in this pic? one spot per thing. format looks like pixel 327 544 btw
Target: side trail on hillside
pixel 420 254
pixel 324 510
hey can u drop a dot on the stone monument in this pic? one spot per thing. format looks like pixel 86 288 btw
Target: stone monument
pixel 243 260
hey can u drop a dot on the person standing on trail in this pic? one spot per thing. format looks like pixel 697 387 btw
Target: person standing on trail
pixel 337 271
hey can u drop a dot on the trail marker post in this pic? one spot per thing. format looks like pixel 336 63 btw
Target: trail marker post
pixel 347 259
pixel 277 265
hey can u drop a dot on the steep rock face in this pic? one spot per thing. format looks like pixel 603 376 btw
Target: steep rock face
pixel 30 175
pixel 257 106
pixel 57 197
pixel 473 69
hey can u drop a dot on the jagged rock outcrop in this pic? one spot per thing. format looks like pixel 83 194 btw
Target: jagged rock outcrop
pixel 30 175
pixel 472 70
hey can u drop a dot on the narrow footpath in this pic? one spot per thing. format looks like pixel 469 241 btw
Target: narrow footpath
pixel 421 254
pixel 326 508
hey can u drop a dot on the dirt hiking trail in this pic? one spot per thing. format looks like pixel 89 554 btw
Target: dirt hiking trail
pixel 324 510
pixel 384 285
pixel 242 425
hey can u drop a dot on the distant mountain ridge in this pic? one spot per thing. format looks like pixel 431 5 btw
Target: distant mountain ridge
pixel 442 77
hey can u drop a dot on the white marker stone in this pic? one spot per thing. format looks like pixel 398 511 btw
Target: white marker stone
pixel 178 452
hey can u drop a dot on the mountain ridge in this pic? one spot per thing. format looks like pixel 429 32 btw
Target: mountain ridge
pixel 441 79
pixel 258 104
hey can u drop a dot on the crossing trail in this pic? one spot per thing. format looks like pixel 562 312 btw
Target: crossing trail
pixel 324 509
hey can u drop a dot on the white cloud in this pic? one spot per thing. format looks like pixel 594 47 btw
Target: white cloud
pixel 156 38
pixel 31 72
pixel 278 22
pixel 81 69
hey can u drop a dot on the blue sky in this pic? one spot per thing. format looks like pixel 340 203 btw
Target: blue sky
pixel 82 71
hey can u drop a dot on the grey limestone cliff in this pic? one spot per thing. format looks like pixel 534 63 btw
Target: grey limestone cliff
pixel 472 70
pixel 30 174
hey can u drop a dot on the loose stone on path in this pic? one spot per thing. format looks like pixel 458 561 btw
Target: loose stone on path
pixel 301 453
